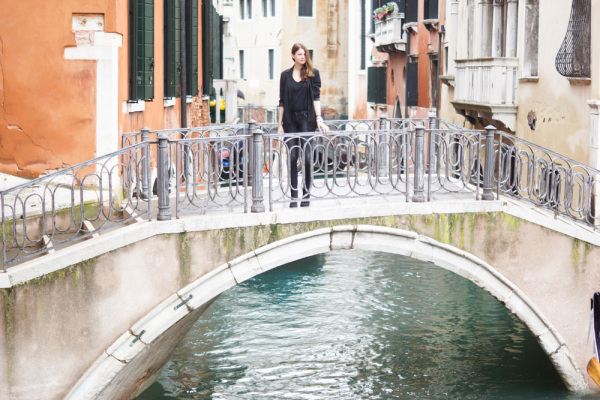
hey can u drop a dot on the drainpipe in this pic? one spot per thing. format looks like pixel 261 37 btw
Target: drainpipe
pixel 441 33
pixel 183 83
pixel 406 80
pixel 183 66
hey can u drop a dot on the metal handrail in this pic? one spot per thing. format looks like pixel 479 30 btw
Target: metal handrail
pixel 227 168
pixel 73 204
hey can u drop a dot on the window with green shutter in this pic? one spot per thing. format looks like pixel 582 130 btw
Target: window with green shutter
pixel 191 38
pixel 172 33
pixel 141 50
pixel 212 46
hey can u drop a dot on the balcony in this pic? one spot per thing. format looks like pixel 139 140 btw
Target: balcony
pixel 389 35
pixel 486 90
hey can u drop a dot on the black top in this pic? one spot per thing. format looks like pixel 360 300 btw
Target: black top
pixel 299 95
pixel 313 86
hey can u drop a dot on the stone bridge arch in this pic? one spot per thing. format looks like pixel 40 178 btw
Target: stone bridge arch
pixel 133 362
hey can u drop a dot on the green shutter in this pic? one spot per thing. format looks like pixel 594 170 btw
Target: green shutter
pixel 172 35
pixel 212 47
pixel 192 46
pixel 141 49
pixel 412 83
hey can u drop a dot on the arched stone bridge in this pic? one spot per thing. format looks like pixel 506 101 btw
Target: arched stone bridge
pixel 99 319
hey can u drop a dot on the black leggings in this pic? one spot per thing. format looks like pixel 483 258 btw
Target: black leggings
pixel 295 146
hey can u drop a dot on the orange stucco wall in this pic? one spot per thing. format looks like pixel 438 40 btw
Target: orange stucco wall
pixel 47 102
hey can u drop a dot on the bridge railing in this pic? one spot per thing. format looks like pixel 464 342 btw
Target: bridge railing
pixel 547 179
pixel 74 204
pixel 252 168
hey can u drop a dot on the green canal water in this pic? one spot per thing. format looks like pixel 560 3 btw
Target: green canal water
pixel 358 325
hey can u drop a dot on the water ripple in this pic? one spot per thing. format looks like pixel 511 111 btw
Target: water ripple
pixel 358 325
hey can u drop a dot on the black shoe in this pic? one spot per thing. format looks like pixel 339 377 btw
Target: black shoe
pixel 293 204
pixel 305 204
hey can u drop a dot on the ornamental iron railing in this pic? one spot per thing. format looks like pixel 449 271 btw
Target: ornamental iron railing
pixel 253 168
pixel 75 204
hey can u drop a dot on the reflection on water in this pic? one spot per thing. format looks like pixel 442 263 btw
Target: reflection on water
pixel 358 325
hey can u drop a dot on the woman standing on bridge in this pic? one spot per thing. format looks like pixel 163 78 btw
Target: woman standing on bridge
pixel 300 111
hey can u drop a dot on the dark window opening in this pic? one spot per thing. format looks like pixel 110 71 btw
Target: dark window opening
pixel 305 8
pixel 412 82
pixel 271 64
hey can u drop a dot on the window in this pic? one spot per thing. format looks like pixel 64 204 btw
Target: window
pixel 172 48
pixel 412 82
pixel 249 9
pixel 412 10
pixel 310 53
pixel 264 7
pixel 172 33
pixel 573 58
pixel 433 79
pixel 305 8
pixel 191 40
pixel 271 63
pixel 241 64
pixel 212 47
pixel 363 35
pixel 430 9
pixel 377 85
pixel 273 8
pixel 530 53
pixel 141 50
pixel 242 9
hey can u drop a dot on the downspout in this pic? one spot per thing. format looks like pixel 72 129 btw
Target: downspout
pixel 406 69
pixel 441 33
pixel 183 66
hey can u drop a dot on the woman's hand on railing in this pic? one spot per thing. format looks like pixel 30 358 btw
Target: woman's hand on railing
pixel 280 128
pixel 321 125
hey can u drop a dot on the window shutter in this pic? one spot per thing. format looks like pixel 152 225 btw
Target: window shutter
pixel 192 46
pixel 377 85
pixel 171 46
pixel 430 9
pixel 412 83
pixel 141 49
pixel 412 10
pixel 212 49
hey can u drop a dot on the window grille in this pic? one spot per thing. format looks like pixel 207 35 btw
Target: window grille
pixel 573 58
pixel 141 50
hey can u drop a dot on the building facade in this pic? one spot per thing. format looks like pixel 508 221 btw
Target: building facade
pixel 404 79
pixel 258 37
pixel 74 75
pixel 525 67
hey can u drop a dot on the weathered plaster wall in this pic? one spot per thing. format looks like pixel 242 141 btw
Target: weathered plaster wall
pixel 48 103
pixel 47 117
pixel 563 116
pixel 64 321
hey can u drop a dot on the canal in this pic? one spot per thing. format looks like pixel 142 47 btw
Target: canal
pixel 358 325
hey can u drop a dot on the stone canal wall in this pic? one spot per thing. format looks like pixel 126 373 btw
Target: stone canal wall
pixel 98 320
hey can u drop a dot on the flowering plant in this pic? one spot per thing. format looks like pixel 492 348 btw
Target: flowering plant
pixel 382 12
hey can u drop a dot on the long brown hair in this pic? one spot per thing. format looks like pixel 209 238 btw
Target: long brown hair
pixel 307 69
